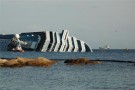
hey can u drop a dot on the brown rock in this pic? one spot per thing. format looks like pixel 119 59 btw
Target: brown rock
pixel 23 61
pixel 2 61
pixel 12 63
pixel 81 61
pixel 93 62
pixel 40 61
pixel 19 62
pixel 77 61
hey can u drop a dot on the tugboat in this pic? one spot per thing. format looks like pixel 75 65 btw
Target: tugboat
pixel 46 41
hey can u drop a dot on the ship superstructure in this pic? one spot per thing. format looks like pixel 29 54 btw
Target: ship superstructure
pixel 47 41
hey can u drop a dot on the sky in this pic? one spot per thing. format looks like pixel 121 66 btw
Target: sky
pixel 97 22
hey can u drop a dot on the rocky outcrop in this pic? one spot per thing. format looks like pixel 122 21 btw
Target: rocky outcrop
pixel 80 61
pixel 40 61
pixel 19 62
pixel 23 61
pixel 12 63
pixel 2 61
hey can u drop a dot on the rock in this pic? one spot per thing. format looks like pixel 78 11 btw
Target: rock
pixel 40 61
pixel 76 61
pixel 12 63
pixel 23 61
pixel 93 62
pixel 19 62
pixel 81 61
pixel 2 61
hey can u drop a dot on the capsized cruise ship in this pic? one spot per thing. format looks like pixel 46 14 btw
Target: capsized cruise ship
pixel 47 41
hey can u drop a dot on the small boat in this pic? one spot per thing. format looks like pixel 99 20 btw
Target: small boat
pixel 47 41
pixel 106 47
pixel 126 49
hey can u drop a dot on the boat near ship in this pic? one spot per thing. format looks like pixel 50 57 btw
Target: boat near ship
pixel 47 41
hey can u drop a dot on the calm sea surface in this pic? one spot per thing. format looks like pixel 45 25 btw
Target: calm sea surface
pixel 106 76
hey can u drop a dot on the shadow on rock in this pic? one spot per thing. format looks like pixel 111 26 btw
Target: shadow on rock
pixel 80 61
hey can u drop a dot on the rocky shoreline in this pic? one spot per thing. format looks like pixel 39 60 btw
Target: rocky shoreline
pixel 19 62
pixel 42 62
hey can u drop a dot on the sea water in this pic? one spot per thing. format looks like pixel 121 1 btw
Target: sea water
pixel 105 76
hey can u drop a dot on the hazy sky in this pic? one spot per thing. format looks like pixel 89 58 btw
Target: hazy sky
pixel 97 22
